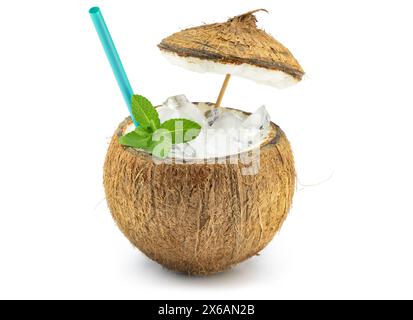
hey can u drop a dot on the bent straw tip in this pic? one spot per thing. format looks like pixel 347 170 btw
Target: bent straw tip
pixel 94 10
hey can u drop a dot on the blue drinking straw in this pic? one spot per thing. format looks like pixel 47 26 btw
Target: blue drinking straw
pixel 113 57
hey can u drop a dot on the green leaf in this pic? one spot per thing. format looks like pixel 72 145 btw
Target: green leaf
pixel 141 131
pixel 160 144
pixel 144 113
pixel 136 139
pixel 182 130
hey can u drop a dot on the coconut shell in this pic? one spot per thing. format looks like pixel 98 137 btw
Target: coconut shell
pixel 236 41
pixel 199 218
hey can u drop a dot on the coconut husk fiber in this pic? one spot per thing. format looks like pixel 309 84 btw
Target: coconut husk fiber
pixel 199 219
pixel 236 41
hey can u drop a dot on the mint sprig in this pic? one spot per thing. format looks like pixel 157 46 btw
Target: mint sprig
pixel 181 130
pixel 144 112
pixel 153 136
pixel 139 138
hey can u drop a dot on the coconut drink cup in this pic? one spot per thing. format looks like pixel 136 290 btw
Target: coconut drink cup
pixel 200 218
pixel 202 215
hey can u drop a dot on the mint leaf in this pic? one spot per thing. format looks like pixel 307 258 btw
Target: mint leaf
pixel 136 139
pixel 144 113
pixel 160 144
pixel 154 137
pixel 142 132
pixel 182 130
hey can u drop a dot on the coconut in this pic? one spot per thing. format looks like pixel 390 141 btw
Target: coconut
pixel 199 218
pixel 236 47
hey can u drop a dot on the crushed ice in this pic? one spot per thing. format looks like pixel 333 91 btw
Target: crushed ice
pixel 223 133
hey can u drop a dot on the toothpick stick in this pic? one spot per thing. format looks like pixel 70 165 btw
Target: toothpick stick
pixel 222 92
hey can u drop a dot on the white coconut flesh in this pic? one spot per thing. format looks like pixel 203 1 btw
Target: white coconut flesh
pixel 225 132
pixel 275 78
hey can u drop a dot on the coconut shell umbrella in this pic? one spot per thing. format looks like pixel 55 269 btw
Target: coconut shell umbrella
pixel 236 47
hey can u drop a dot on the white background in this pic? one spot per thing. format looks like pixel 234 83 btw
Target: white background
pixel 350 232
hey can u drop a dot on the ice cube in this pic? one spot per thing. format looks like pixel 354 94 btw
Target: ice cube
pixel 191 112
pixel 250 137
pixel 199 144
pixel 227 120
pixel 183 151
pixel 230 125
pixel 183 108
pixel 176 101
pixel 212 115
pixel 260 119
pixel 167 113
pixel 214 143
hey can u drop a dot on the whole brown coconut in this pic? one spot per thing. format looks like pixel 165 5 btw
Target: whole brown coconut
pixel 199 218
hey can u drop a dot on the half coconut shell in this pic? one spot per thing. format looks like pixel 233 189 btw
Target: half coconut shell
pixel 237 42
pixel 199 218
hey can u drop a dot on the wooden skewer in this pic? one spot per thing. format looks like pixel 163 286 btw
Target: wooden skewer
pixel 222 92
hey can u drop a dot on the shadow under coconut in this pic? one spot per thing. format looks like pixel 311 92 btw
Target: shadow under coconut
pixel 239 275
